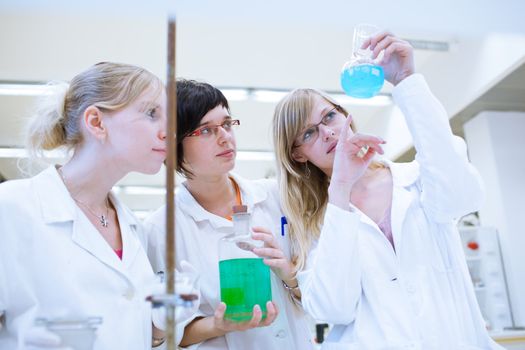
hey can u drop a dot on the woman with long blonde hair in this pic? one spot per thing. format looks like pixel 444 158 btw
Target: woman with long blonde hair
pixel 374 242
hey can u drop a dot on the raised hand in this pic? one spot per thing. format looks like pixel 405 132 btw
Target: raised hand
pixel 353 155
pixel 398 55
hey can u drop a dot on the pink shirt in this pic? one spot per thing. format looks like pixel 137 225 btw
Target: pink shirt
pixel 119 253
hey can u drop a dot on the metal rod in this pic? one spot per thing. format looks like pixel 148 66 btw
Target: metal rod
pixel 171 160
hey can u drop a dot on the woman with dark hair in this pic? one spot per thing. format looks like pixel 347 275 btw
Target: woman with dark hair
pixel 206 150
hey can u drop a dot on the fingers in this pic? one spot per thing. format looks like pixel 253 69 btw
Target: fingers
pixel 256 317
pixel 219 312
pixel 380 41
pixel 398 46
pixel 279 264
pixel 255 321
pixel 372 142
pixel 385 41
pixel 271 314
pixel 376 148
pixel 273 253
pixel 365 139
pixel 372 41
pixel 265 235
pixel 368 155
pixel 261 229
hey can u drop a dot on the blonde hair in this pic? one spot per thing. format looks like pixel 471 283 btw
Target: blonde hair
pixel 303 186
pixel 107 86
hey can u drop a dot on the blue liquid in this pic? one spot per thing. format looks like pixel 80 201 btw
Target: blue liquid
pixel 362 81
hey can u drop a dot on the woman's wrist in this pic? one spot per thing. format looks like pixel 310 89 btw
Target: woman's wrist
pixel 199 330
pixel 402 76
pixel 292 287
pixel 291 284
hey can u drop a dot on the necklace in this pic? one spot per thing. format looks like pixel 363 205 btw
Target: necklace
pixel 102 218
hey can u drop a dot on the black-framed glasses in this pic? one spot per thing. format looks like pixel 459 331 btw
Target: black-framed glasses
pixel 213 130
pixel 309 135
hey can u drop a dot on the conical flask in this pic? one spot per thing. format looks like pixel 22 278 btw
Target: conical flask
pixel 361 77
pixel 244 278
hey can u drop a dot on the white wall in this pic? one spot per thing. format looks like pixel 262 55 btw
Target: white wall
pixel 496 142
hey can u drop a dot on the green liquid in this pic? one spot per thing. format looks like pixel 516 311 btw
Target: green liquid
pixel 244 284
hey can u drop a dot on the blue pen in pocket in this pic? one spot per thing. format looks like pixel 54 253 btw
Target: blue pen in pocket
pixel 283 223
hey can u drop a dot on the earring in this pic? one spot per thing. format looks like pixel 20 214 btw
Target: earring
pixel 306 171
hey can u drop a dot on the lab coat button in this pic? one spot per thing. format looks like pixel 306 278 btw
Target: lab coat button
pixel 281 333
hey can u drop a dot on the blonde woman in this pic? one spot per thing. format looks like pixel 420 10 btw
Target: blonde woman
pixel 69 248
pixel 375 242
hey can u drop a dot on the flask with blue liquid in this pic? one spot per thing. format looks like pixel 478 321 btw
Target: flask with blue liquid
pixel 361 77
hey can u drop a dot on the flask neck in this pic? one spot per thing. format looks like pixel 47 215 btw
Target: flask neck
pixel 241 224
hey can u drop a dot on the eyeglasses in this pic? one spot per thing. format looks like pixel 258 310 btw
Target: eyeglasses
pixel 310 135
pixel 213 130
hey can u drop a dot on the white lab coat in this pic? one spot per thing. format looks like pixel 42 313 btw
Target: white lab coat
pixel 198 235
pixel 421 295
pixel 57 264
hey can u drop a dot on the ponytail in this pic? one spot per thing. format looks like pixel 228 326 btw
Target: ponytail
pixel 46 129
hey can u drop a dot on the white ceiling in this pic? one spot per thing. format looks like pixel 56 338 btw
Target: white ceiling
pixel 262 44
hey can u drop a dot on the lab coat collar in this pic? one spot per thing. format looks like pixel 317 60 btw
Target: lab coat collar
pixel 87 237
pixel 57 205
pixel 55 201
pixel 129 225
pixel 251 194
